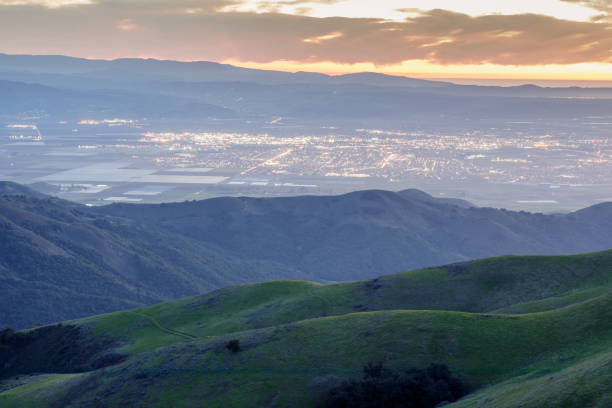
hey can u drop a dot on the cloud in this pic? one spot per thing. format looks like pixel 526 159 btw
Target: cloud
pixel 276 6
pixel 605 6
pixel 199 30
pixel 321 38
pixel 601 5
pixel 525 39
pixel 300 2
pixel 45 3
pixel 127 25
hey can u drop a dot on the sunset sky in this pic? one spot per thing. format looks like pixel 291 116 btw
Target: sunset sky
pixel 539 39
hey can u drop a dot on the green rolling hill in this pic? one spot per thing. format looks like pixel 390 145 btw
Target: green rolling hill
pixel 525 331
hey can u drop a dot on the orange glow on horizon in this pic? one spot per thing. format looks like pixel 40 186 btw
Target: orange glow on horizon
pixel 422 69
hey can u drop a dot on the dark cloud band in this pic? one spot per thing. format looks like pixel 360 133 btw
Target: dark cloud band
pixel 197 29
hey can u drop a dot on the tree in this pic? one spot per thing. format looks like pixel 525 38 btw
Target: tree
pixel 233 345
pixel 416 388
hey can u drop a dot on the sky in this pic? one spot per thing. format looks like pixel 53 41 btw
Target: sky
pixel 514 39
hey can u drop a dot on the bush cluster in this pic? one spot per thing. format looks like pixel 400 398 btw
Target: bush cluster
pixel 233 345
pixel 415 388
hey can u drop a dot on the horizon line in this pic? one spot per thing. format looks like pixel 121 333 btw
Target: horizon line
pixel 532 80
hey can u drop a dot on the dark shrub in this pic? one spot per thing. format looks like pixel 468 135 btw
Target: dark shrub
pixel 379 387
pixel 233 345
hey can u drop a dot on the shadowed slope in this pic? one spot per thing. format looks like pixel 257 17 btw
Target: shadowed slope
pixel 370 233
pixel 58 262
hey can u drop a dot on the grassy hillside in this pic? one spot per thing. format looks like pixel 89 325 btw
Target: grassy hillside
pixel 516 284
pixel 299 339
pixel 284 364
pixel 584 384
pixel 58 262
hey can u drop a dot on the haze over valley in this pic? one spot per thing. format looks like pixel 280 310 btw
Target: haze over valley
pixel 168 131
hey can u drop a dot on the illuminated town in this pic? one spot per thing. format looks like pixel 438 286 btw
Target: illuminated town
pixel 130 160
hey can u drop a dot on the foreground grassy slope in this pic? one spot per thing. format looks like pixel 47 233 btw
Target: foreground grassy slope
pixel 502 285
pixel 284 364
pixel 234 309
pixel 39 391
pixel 300 338
pixel 584 384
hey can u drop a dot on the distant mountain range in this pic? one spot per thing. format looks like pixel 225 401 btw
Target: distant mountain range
pixel 19 97
pixel 198 71
pixel 60 260
pixel 73 87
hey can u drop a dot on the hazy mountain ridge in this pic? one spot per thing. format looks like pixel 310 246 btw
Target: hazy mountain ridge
pixel 20 97
pixel 134 69
pixel 206 71
pixel 142 88
pixel 196 71
pixel 354 102
pixel 57 262
pixel 369 233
